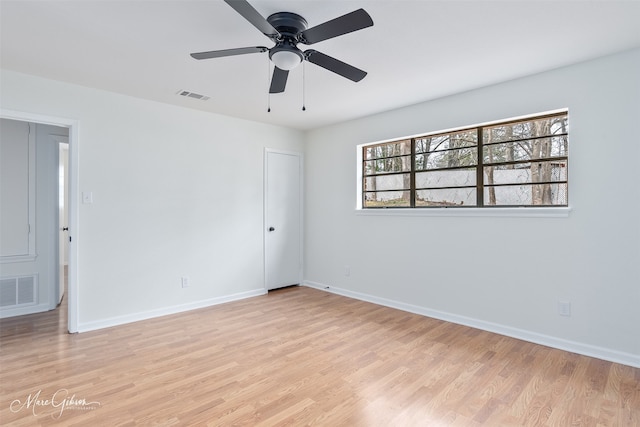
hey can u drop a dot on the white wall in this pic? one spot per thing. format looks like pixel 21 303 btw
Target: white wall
pixel 446 266
pixel 14 188
pixel 177 192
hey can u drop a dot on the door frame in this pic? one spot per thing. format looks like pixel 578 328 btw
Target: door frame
pixel 74 234
pixel 265 225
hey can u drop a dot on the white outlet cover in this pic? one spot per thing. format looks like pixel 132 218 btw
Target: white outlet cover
pixel 564 309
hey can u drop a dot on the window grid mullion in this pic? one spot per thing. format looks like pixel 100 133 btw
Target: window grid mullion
pixel 364 192
pixel 524 162
pixel 444 150
pixel 531 138
pixel 412 175
pixel 385 174
pixel 480 170
pixel 522 184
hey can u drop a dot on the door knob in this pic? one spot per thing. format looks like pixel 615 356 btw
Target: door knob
pixel 271 229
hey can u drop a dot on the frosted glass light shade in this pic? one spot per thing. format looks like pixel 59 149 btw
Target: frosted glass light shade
pixel 286 59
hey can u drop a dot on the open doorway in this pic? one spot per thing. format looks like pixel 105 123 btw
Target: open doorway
pixel 64 147
pixel 63 218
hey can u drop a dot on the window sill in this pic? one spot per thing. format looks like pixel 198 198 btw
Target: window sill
pixel 559 212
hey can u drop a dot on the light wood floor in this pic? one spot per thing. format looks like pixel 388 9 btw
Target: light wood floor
pixel 300 356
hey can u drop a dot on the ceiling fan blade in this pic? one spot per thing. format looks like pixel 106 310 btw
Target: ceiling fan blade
pixel 354 21
pixel 334 65
pixel 279 80
pixel 228 52
pixel 250 14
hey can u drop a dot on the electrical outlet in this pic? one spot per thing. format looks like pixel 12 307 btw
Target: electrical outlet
pixel 184 280
pixel 347 270
pixel 564 308
pixel 87 197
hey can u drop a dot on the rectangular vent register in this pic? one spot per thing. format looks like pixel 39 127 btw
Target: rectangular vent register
pixel 17 291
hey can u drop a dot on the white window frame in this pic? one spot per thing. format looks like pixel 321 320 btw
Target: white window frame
pixel 493 211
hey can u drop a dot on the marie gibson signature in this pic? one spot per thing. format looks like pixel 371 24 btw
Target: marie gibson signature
pixel 60 401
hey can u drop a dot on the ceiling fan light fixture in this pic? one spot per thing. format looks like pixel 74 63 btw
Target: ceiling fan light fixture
pixel 286 59
pixel 287 30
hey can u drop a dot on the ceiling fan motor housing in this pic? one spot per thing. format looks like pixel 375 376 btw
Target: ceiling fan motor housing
pixel 289 25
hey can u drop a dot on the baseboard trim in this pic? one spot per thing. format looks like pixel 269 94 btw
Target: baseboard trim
pixel 24 310
pixel 534 337
pixel 145 315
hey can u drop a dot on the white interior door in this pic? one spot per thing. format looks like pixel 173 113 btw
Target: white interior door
pixel 63 222
pixel 283 218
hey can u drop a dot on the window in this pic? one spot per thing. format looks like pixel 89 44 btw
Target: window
pixel 509 164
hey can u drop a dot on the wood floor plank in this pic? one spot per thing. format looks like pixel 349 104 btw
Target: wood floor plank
pixel 299 356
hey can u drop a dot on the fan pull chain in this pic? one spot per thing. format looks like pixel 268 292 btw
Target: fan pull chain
pixel 304 95
pixel 268 90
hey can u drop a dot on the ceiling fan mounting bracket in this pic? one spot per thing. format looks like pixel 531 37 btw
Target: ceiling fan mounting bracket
pixel 288 24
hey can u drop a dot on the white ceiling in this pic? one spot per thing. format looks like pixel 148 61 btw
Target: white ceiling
pixel 416 50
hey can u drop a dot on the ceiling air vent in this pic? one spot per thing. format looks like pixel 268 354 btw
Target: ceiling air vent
pixel 193 95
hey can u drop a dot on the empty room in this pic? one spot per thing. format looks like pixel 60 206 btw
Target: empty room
pixel 331 213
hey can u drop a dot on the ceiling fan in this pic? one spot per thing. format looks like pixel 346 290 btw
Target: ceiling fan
pixel 287 30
